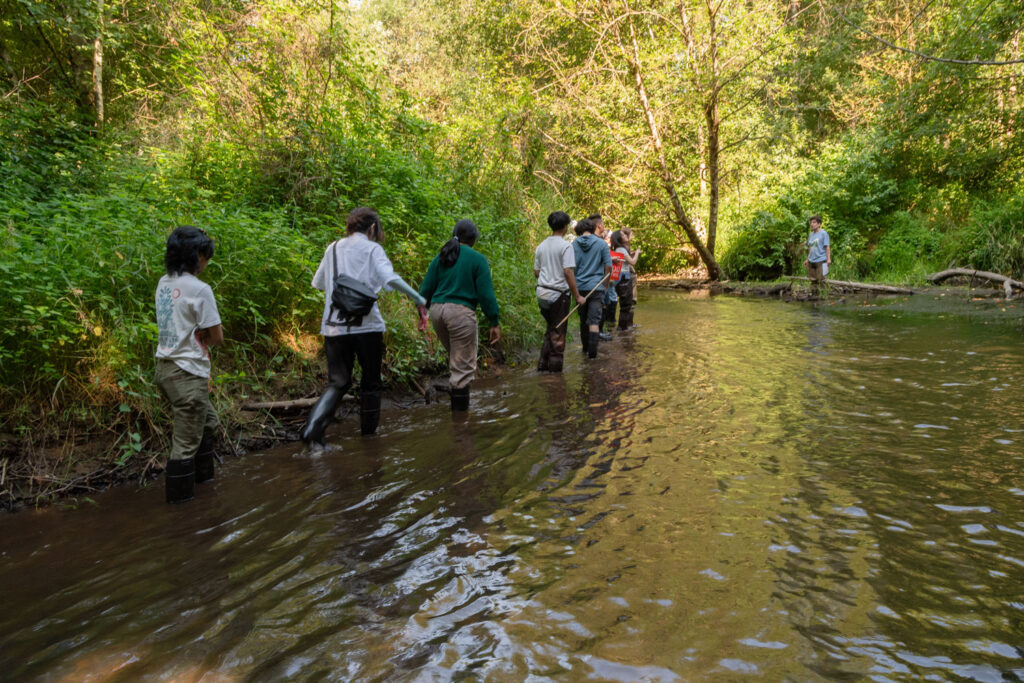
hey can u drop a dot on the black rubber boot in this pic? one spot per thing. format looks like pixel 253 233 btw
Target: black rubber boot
pixel 180 477
pixel 592 347
pixel 313 431
pixel 204 460
pixel 369 412
pixel 460 400
pixel 608 316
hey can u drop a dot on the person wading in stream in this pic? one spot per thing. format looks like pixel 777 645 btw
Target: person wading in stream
pixel 624 287
pixel 593 267
pixel 188 324
pixel 553 264
pixel 458 280
pixel 609 298
pixel 361 257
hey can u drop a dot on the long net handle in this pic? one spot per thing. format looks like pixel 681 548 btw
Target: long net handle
pixel 573 309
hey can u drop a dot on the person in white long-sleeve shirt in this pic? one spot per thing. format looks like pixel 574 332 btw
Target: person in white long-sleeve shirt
pixel 360 256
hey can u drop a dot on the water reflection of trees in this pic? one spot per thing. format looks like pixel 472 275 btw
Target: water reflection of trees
pixel 897 564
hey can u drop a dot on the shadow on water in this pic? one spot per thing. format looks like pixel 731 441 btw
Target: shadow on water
pixel 735 489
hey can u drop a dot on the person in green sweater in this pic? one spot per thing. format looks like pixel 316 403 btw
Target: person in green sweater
pixel 457 281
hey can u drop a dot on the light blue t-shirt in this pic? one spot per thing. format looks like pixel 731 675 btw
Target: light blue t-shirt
pixel 817 241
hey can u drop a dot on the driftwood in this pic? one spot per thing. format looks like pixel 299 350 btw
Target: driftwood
pixel 1009 284
pixel 287 405
pixel 886 289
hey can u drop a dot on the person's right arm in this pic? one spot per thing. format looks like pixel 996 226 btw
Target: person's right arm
pixel 570 277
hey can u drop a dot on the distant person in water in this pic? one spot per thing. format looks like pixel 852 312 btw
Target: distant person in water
pixel 819 253
pixel 609 298
pixel 593 266
pixel 553 264
pixel 627 237
pixel 360 256
pixel 188 324
pixel 457 281
pixel 624 286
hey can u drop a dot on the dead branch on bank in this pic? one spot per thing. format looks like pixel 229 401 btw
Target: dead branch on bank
pixel 885 289
pixel 1009 284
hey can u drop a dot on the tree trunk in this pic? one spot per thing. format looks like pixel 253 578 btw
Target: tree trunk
pixel 682 219
pixel 1009 284
pixel 887 289
pixel 97 65
pixel 714 141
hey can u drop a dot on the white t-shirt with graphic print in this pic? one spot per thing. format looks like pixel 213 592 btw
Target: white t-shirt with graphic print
pixel 185 305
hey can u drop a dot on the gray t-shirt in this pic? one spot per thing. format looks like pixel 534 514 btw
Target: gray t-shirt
pixel 184 305
pixel 551 258
pixel 816 242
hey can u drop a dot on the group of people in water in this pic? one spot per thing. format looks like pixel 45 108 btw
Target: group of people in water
pixel 597 276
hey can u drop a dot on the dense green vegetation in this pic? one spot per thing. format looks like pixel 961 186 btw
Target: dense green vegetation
pixel 713 128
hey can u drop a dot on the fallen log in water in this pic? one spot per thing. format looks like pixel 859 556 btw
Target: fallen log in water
pixel 293 404
pixel 886 289
pixel 1009 284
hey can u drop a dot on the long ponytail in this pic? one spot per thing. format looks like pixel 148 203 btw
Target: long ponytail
pixel 465 232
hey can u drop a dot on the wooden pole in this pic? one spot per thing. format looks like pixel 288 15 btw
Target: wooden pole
pixel 573 309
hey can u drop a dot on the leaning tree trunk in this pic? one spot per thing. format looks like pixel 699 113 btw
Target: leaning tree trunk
pixel 707 255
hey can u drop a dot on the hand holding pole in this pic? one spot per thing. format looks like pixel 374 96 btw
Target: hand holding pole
pixel 573 309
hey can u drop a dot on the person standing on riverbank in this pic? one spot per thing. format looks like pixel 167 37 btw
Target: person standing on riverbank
pixel 819 253
pixel 457 281
pixel 360 256
pixel 553 264
pixel 593 266
pixel 188 324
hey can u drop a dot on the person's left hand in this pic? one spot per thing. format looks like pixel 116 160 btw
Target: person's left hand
pixel 421 325
pixel 494 336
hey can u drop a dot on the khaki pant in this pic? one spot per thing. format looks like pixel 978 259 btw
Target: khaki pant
pixel 194 416
pixel 457 329
pixel 815 271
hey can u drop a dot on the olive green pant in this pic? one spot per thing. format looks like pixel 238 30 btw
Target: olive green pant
pixel 194 416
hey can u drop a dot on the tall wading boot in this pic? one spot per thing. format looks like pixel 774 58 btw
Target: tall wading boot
pixel 369 412
pixel 204 459
pixel 592 348
pixel 460 399
pixel 313 431
pixel 180 478
pixel 608 315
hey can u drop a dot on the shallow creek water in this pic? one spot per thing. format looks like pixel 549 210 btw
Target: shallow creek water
pixel 735 490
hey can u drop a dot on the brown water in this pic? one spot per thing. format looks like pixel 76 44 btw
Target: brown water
pixel 738 489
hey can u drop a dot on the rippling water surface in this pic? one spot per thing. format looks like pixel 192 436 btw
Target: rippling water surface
pixel 737 489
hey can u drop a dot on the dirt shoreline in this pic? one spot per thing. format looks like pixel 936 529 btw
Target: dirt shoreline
pixel 244 431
